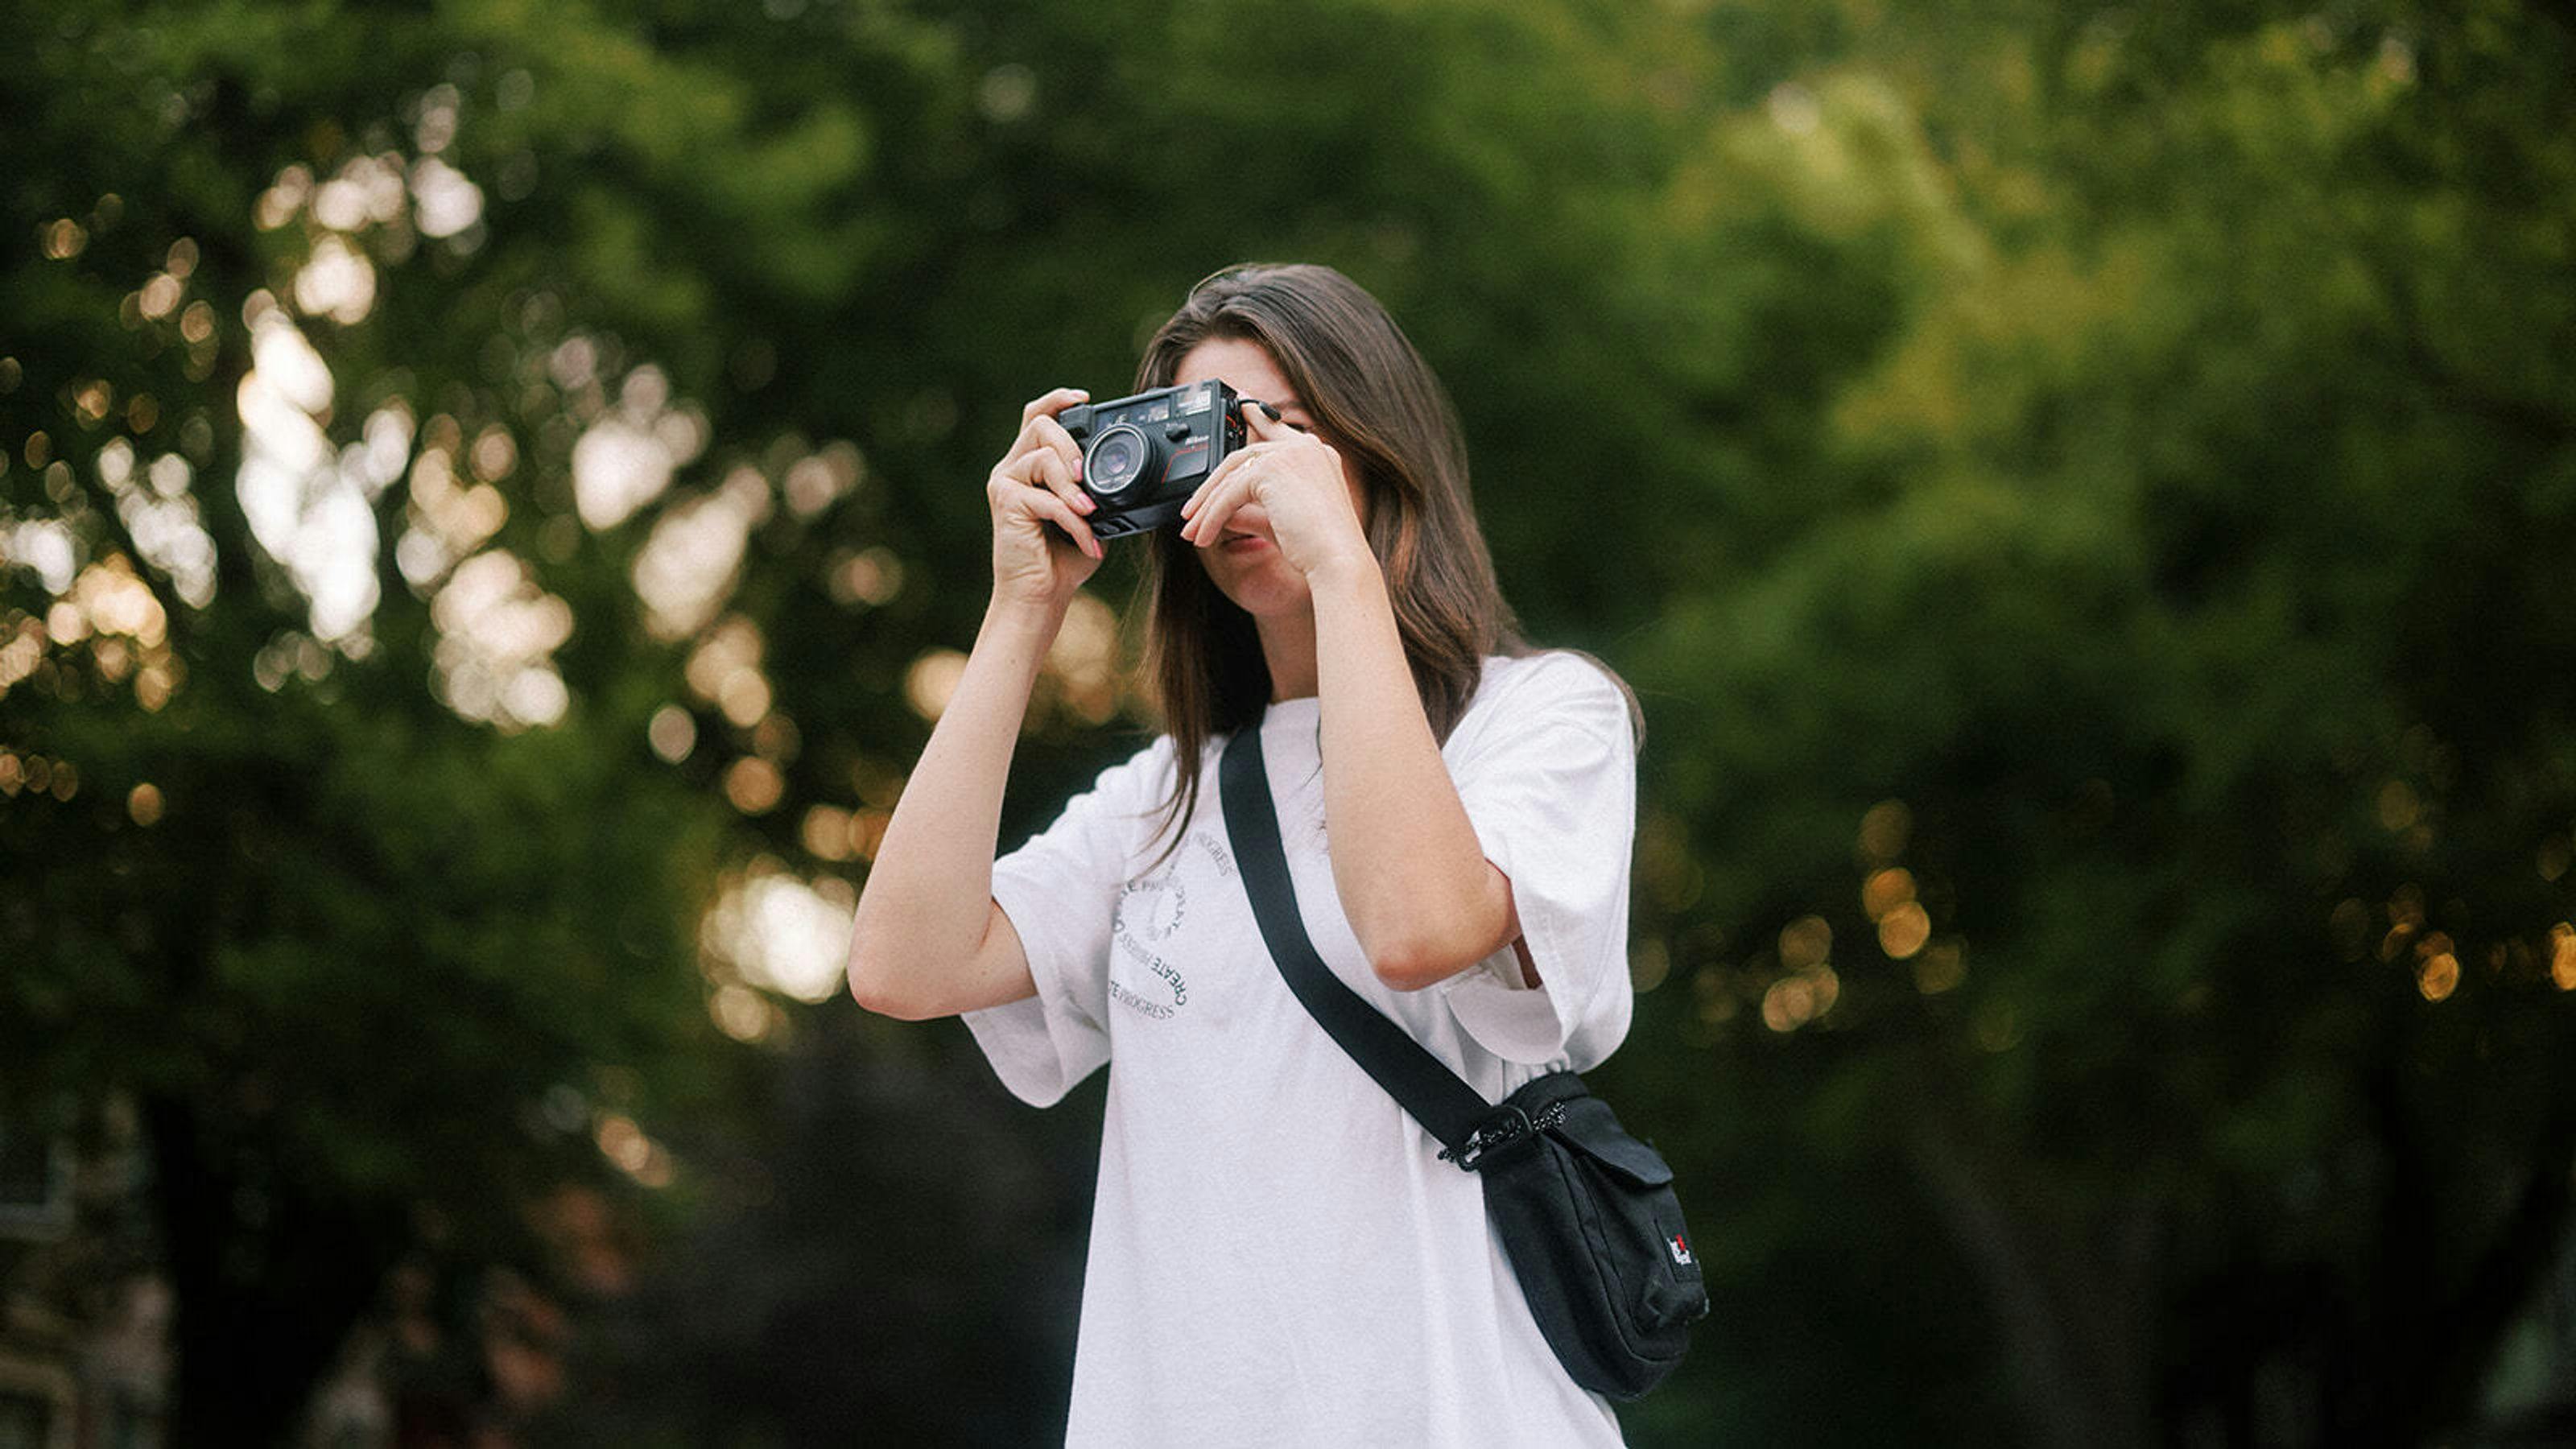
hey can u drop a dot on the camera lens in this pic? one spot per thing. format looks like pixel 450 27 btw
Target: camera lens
pixel 1117 459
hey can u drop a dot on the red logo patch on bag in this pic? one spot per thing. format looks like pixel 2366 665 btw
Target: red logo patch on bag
pixel 1681 1250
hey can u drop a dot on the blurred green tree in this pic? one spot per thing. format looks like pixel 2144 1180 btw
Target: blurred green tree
pixel 2128 780
pixel 338 840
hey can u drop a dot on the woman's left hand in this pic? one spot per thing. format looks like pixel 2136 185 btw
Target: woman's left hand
pixel 1286 484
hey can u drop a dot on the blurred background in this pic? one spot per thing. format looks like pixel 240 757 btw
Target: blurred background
pixel 490 500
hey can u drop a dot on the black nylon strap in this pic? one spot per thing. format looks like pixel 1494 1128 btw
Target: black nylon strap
pixel 1421 1083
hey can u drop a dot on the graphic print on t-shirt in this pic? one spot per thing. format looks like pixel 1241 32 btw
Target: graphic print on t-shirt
pixel 1151 911
pixel 1151 926
pixel 1206 845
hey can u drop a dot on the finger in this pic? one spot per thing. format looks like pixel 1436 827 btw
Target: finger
pixel 1052 434
pixel 1051 404
pixel 1047 469
pixel 1261 420
pixel 1234 462
pixel 1208 485
pixel 1043 469
pixel 1207 525
pixel 1039 503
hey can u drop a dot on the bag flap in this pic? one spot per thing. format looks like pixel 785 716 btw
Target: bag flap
pixel 1591 1128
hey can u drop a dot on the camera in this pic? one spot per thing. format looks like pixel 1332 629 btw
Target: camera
pixel 1143 456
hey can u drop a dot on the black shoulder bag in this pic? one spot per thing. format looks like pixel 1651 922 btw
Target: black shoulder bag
pixel 1586 1213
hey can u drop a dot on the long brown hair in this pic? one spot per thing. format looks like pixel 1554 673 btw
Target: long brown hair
pixel 1378 403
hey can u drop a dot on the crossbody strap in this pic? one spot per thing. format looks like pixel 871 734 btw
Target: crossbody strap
pixel 1421 1083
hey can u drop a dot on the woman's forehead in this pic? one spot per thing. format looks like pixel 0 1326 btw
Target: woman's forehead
pixel 1240 363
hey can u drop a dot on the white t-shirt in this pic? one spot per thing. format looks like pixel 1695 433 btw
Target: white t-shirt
pixel 1278 1256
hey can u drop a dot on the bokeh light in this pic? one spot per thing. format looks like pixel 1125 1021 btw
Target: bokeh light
pixel 622 1142
pixel 1885 829
pixel 628 457
pixel 673 733
pixel 753 785
pixel 780 932
pixel 1940 968
pixel 693 557
pixel 497 633
pixel 306 510
pixel 2438 975
pixel 1903 930
pixel 932 679
pixel 1082 663
pixel 1805 942
pixel 724 671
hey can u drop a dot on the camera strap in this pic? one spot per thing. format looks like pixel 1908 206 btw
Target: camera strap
pixel 1584 1212
pixel 1421 1083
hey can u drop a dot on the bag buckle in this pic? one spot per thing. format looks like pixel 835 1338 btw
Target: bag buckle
pixel 1507 1125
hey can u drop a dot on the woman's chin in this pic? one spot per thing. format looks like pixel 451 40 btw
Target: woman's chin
pixel 1261 584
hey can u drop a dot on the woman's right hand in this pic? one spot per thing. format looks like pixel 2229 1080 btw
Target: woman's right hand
pixel 1042 546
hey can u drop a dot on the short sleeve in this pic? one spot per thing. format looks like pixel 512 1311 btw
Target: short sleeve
pixel 1549 780
pixel 1060 891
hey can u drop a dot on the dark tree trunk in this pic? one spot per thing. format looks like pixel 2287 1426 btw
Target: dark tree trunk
pixel 2073 1327
pixel 267 1283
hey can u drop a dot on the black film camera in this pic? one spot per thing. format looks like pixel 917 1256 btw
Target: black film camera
pixel 1143 456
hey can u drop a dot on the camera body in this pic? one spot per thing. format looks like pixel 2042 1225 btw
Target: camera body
pixel 1143 456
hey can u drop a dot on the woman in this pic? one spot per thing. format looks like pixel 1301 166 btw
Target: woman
pixel 1277 1253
